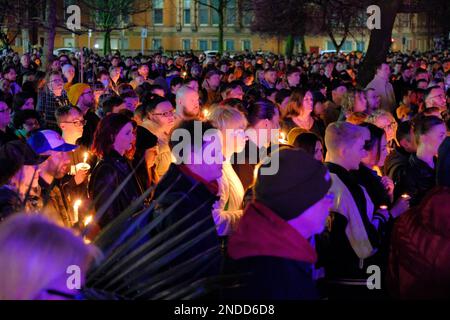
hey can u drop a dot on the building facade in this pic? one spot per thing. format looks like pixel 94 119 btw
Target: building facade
pixel 173 25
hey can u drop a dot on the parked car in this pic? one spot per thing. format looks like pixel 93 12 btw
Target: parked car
pixel 60 51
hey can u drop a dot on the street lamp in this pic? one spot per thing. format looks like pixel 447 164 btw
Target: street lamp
pixel 89 38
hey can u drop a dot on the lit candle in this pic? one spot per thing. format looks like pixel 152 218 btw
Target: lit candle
pixel 85 157
pixel 76 205
pixel 282 138
pixel 406 196
pixel 205 113
pixel 383 207
pixel 87 220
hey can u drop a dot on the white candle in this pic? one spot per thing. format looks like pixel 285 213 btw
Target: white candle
pixel 85 157
pixel 282 138
pixel 88 220
pixel 76 205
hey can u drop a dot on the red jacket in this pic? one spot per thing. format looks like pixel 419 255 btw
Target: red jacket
pixel 419 262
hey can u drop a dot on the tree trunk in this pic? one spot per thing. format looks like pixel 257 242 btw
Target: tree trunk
pixel 49 43
pixel 107 43
pixel 380 41
pixel 289 46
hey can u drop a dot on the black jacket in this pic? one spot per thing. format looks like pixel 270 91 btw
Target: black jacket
pixel 417 181
pixel 396 164
pixel 373 185
pixel 9 202
pixel 106 177
pixel 194 195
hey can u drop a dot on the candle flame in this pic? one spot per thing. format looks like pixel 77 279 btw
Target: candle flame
pixel 282 138
pixel 405 196
pixel 77 204
pixel 383 207
pixel 206 113
pixel 88 220
pixel 85 157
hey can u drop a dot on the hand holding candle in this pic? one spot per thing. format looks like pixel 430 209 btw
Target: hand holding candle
pixel 282 138
pixel 83 165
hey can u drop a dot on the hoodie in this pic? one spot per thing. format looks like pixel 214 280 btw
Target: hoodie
pixel 273 259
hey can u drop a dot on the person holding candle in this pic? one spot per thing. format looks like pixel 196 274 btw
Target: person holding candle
pixel 112 140
pixel 429 132
pixel 353 236
pixel 419 260
pixel 53 177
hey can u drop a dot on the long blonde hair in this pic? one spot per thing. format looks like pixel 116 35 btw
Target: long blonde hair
pixel 34 252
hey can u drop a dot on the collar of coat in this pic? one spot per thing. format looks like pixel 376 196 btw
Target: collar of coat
pixel 261 232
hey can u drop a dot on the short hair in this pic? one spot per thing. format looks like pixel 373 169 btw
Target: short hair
pixel 21 116
pixel 422 124
pixel 291 70
pixel 235 103
pixel 62 112
pixel 50 74
pixel 270 69
pixel 307 141
pixel 110 103
pixel 8 68
pixel 223 117
pixel 339 134
pixel 404 131
pixel 101 73
pixel 228 87
pixel 191 138
pixel 128 94
pixel 176 81
pixel 151 103
pixel 182 91
pixel 124 87
pixel 20 99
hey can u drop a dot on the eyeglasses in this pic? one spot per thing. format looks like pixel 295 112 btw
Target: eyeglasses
pixel 166 114
pixel 77 123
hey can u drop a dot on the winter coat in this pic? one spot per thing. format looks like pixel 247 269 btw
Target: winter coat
pixel 419 262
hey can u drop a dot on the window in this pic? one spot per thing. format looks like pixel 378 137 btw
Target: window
pixel 68 42
pixel 215 45
pixel 347 46
pixel 215 15
pixel 203 45
pixel 203 15
pixel 360 46
pixel 229 45
pixel 158 6
pixel 186 44
pixel 246 45
pixel 98 43
pixel 231 12
pixel 156 44
pixel 247 18
pixel 114 44
pixel 187 12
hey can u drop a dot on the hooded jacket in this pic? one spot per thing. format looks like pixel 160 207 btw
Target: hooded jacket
pixel 419 261
pixel 273 259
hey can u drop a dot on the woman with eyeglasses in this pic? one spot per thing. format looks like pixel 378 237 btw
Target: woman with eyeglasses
pixel 113 140
pixel 159 120
pixel 386 121
pixel 37 258
pixel 228 210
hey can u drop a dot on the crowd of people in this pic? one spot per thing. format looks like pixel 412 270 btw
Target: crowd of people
pixel 363 175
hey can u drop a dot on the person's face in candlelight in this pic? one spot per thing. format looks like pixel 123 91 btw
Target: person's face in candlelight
pixel 124 139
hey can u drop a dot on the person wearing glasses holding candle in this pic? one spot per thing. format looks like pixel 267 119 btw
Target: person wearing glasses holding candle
pixel 51 98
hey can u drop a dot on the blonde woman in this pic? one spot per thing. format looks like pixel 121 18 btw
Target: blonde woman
pixel 386 121
pixel 232 124
pixel 354 101
pixel 36 257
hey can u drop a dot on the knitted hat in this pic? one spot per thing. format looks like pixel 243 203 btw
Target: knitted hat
pixel 300 182
pixel 75 92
